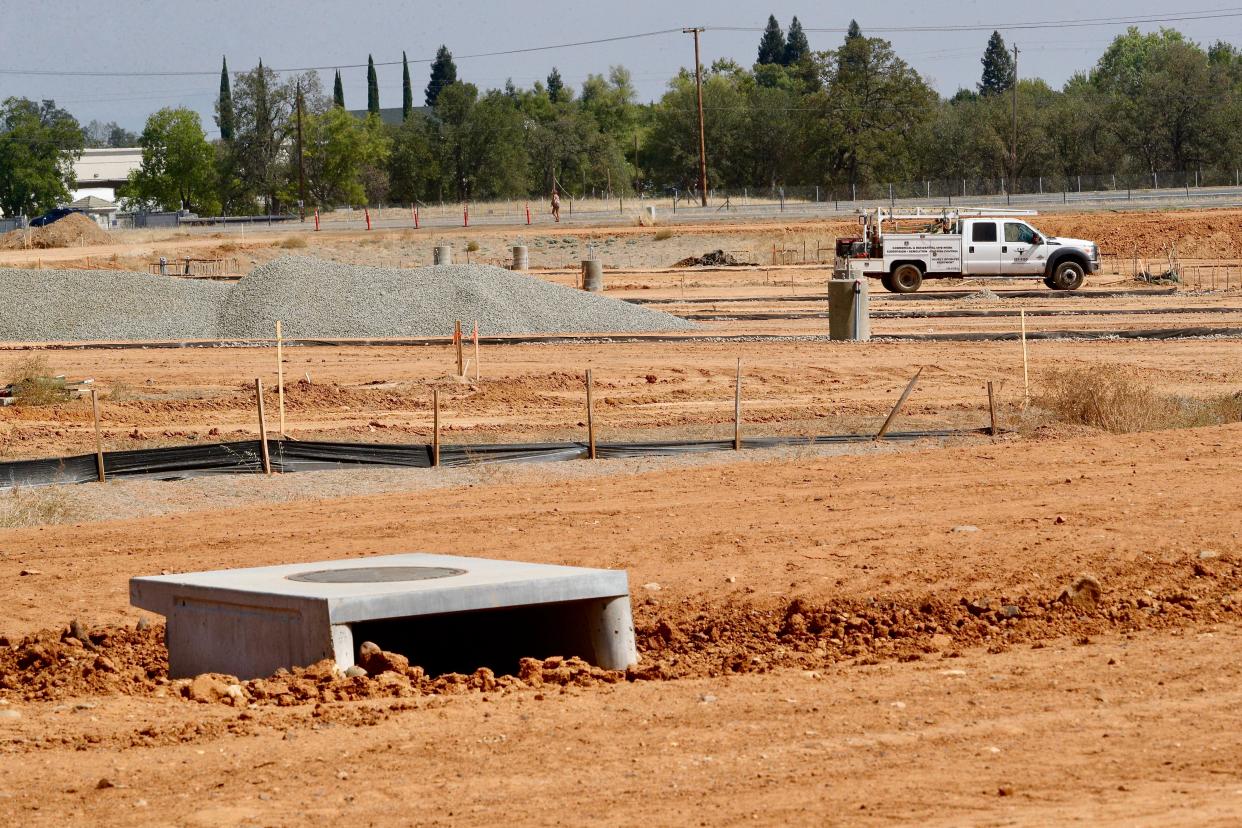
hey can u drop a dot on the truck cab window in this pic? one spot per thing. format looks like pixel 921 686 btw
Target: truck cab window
pixel 1018 233
pixel 983 231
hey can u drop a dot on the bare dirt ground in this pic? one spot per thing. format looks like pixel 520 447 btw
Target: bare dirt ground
pixel 1031 630
pixel 826 634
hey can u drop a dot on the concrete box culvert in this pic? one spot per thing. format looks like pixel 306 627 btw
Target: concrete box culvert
pixel 445 613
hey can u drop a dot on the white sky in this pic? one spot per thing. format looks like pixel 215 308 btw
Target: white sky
pixel 143 35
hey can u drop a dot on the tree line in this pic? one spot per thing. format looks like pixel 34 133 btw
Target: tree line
pixel 853 116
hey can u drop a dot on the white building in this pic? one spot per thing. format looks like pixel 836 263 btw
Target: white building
pixel 100 171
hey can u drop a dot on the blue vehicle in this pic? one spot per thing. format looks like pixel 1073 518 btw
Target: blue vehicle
pixel 53 216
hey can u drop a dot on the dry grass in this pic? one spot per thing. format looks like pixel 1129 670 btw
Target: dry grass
pixel 35 507
pixel 1116 399
pixel 293 243
pixel 472 246
pixel 32 383
pixel 663 234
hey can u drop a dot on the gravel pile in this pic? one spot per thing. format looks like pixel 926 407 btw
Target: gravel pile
pixel 316 298
pixel 74 305
pixel 312 298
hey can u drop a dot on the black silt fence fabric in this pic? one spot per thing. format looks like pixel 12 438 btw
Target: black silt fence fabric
pixel 245 457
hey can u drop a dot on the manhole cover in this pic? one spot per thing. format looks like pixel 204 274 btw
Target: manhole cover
pixel 375 574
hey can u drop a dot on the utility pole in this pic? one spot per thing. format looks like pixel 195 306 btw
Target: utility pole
pixel 301 160
pixel 698 83
pixel 1013 170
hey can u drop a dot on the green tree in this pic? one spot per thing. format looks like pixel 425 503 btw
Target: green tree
pixel 772 44
pixel 555 85
pixel 338 91
pixel 38 145
pixel 263 107
pixel 443 73
pixel 480 143
pixel 177 170
pixel 407 91
pixel 340 149
pixel 413 172
pixel 224 103
pixel 797 47
pixel 998 67
pixel 97 134
pixel 871 109
pixel 373 103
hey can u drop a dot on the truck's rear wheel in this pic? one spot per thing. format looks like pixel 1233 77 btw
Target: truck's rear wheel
pixel 906 278
pixel 1068 275
pixel 887 281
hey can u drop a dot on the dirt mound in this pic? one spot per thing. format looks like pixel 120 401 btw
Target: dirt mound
pixel 74 230
pixel 716 258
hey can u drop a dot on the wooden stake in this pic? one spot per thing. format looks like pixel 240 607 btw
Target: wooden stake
pixel 267 458
pixel 435 427
pixel 280 376
pixel 737 408
pixel 590 417
pixel 99 458
pixel 992 408
pixel 476 351
pixel 905 395
pixel 461 367
pixel 1026 365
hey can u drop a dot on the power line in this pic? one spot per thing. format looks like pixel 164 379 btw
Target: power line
pixel 198 73
pixel 1208 14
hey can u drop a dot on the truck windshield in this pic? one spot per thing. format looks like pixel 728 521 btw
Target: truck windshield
pixel 1019 233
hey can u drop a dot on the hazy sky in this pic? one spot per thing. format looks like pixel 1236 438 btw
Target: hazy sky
pixel 169 36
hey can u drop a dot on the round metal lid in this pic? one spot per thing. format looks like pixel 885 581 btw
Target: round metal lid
pixel 375 574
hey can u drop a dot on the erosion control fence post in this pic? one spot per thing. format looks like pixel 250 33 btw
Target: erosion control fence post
pixel 435 427
pixel 905 395
pixel 267 458
pixel 1026 365
pixel 476 351
pixel 737 408
pixel 280 376
pixel 590 418
pixel 461 366
pixel 99 458
pixel 992 408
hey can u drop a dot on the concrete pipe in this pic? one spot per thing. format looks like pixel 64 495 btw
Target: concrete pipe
pixel 443 254
pixel 521 257
pixel 592 275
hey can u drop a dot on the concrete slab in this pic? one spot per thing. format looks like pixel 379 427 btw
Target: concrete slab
pixel 251 622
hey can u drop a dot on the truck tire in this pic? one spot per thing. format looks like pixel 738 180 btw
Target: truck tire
pixel 1068 275
pixel 906 278
pixel 887 281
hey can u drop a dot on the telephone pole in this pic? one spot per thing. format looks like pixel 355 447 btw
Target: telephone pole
pixel 301 160
pixel 698 84
pixel 1013 169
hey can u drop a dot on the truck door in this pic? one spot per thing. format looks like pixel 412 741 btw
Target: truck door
pixel 1019 254
pixel 983 249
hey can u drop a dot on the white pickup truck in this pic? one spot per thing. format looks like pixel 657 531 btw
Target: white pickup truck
pixel 957 244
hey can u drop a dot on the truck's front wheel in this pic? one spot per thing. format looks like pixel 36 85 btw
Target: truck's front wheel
pixel 906 278
pixel 1067 276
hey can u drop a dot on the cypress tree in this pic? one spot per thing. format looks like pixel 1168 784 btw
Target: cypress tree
pixel 796 45
pixel 407 91
pixel 555 84
pixel 372 88
pixel 772 44
pixel 443 73
pixel 338 91
pixel 854 31
pixel 224 104
pixel 998 70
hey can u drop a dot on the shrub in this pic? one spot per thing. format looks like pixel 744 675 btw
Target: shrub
pixel 663 234
pixel 472 246
pixel 33 383
pixel 1114 399
pixel 293 243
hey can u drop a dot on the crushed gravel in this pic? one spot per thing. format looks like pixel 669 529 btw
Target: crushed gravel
pixel 316 298
pixel 108 305
pixel 312 298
